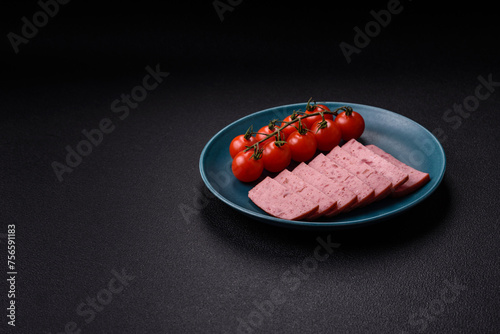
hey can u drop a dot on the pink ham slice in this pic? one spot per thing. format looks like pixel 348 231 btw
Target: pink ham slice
pixel 278 201
pixel 416 178
pixel 381 165
pixel 380 184
pixel 299 186
pixel 340 193
pixel 364 192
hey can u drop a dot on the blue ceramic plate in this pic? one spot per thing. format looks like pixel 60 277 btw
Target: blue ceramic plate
pixel 403 138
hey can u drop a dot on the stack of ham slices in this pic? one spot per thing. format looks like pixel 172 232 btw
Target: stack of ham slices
pixel 346 178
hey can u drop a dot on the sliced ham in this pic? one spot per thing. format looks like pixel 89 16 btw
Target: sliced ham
pixel 304 189
pixel 380 184
pixel 326 166
pixel 346 178
pixel 340 193
pixel 381 165
pixel 278 201
pixel 416 178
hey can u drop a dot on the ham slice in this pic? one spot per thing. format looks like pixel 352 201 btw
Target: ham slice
pixel 364 192
pixel 338 192
pixel 380 184
pixel 304 189
pixel 278 201
pixel 346 178
pixel 381 165
pixel 416 178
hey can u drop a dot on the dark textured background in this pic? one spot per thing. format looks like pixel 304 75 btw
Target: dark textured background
pixel 120 209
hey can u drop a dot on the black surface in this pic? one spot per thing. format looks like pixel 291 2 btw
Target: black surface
pixel 121 208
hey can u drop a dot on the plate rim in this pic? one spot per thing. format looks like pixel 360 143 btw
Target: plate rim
pixel 320 224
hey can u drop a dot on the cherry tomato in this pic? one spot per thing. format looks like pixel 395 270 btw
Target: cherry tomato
pixel 314 108
pixel 322 107
pixel 263 132
pixel 239 143
pixel 276 156
pixel 351 124
pixel 327 134
pixel 303 145
pixel 291 128
pixel 247 166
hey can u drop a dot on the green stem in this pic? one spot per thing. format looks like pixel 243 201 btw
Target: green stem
pixel 348 110
pixel 322 124
pixel 308 105
pixel 249 132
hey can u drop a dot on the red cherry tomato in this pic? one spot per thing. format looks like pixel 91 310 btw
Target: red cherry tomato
pixel 314 108
pixel 276 157
pixel 263 132
pixel 322 107
pixel 351 124
pixel 247 166
pixel 239 143
pixel 327 134
pixel 291 128
pixel 303 146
